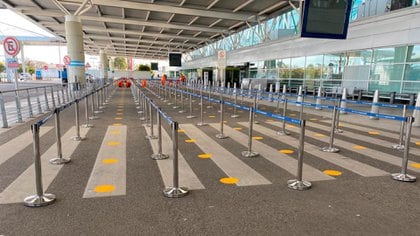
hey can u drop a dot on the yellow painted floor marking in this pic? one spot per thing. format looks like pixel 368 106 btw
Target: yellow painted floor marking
pixel 332 172
pixel 286 151
pixel 319 135
pixel 117 124
pixel 212 116
pixel 230 108
pixel 113 144
pixel 257 138
pixel 104 188
pixel 119 113
pixel 358 147
pixel 373 132
pixel 417 143
pixel 290 126
pixel 237 128
pixel 415 165
pixel 110 161
pixel 116 132
pixel 241 111
pixel 190 140
pixel 205 155
pixel 293 115
pixel 229 180
pixel 118 118
pixel 313 119
pixel 269 120
pixel 340 124
pixel 225 121
pixel 181 131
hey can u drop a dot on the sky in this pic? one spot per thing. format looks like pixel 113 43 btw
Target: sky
pixel 12 24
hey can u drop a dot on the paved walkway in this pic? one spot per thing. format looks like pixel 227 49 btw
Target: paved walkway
pixel 112 186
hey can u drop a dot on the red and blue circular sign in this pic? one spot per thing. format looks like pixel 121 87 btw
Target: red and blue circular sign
pixel 11 46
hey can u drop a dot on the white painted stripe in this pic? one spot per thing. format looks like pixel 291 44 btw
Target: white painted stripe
pixel 334 158
pixel 12 147
pixel 229 163
pixel 187 177
pixel 109 174
pixel 24 185
pixel 366 138
pixel 281 160
pixel 372 153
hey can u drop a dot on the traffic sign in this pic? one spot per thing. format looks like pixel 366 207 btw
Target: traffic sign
pixel 66 60
pixel 87 65
pixel 11 46
pixel 221 55
pixel 45 67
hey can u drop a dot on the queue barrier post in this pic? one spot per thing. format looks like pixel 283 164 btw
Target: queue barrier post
pixel 283 130
pixel 18 107
pixel 400 145
pixel 236 101
pixel 92 99
pixel 151 125
pixel 221 135
pixel 182 103
pixel 190 116
pixel 176 98
pixel 343 103
pixel 87 125
pixel 47 107
pixel 337 119
pixel 143 111
pixel 249 152
pixel 209 106
pixel 98 101
pixel 76 111
pixel 40 198
pixel 318 101
pixel 375 107
pixel 403 176
pixel 159 155
pixel 38 102
pixel 28 99
pixel 59 160
pixel 3 112
pixel 416 112
pixel 52 97
pixel 331 147
pixel 299 97
pixel 201 123
pixel 175 191
pixel 299 183
pixel 284 91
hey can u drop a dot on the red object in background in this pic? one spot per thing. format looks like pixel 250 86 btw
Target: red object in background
pixel 143 83
pixel 127 83
pixel 120 83
pixel 45 67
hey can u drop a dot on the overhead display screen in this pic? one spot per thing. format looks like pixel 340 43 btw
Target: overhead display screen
pixel 175 59
pixel 326 19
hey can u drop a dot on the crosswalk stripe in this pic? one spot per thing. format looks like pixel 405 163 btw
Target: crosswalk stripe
pixel 24 185
pixel 225 160
pixel 366 138
pixel 374 154
pixel 282 160
pixel 108 178
pixel 187 177
pixel 334 158
pixel 12 147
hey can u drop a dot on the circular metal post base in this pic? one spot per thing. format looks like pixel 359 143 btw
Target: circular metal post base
pixel 343 112
pixel 398 146
pixel 98 112
pixel 373 118
pixel 38 201
pixel 221 136
pixel 140 112
pixel 93 118
pixel 318 108
pixel 209 107
pixel 151 137
pixel 182 111
pixel 87 126
pixel 138 107
pixel 338 131
pixel 190 117
pixel 250 154
pixel 148 125
pixel 234 116
pixel 331 150
pixel 175 107
pixel 283 133
pixel 170 103
pixel 403 177
pixel 102 107
pixel 298 185
pixel 59 161
pixel 142 118
pixel 165 100
pixel 76 138
pixel 256 122
pixel 173 192
pixel 159 156
pixel 202 124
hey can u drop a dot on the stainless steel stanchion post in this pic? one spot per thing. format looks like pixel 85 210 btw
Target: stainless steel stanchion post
pixel 201 109
pixel 41 198
pixel 52 97
pixel 400 145
pixel 209 106
pixel 298 183
pixel 278 102
pixel 152 134
pixel 98 101
pixel 47 107
pixel 76 111
pixel 255 107
pixel 92 99
pixel 170 96
pixel 301 108
pixel 28 99
pixel 159 155
pixel 63 96
pixel 331 147
pixel 58 98
pixel 143 110
pixel 221 135
pixel 3 112
pixel 38 102
pixel 59 160
pixel 87 125
pixel 283 130
pixel 403 176
pixel 67 94
pixel 190 116
pixel 146 112
pixel 166 93
pixel 249 152
pixel 337 120
pixel 176 98
pixel 182 103
pixel 18 108
pixel 236 102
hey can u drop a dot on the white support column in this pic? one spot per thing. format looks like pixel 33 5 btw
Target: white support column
pixel 75 50
pixel 103 66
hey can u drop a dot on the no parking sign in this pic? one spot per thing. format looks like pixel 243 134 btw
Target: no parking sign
pixel 11 46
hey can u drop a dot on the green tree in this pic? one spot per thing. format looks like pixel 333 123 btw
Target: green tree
pixel 120 63
pixel 2 67
pixel 144 68
pixel 29 69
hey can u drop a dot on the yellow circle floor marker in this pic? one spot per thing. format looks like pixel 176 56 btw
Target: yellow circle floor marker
pixel 117 124
pixel 190 141
pixel 118 118
pixel 270 120
pixel 358 147
pixel 115 132
pixel 119 113
pixel 415 165
pixel 212 116
pixel 286 151
pixel 113 144
pixel 332 172
pixel 319 135
pixel 417 143
pixel 110 161
pixel 237 128
pixel 257 138
pixel 313 119
pixel 104 188
pixel 205 155
pixel 181 131
pixel 225 121
pixel 290 126
pixel 230 108
pixel 229 180
pixel 292 114
pixel 373 133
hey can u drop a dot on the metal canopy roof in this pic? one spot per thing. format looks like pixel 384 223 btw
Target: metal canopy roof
pixel 148 28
